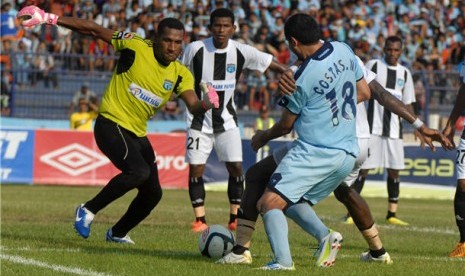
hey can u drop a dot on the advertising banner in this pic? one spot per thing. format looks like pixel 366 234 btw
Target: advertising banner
pixel 422 166
pixel 73 158
pixel 17 148
pixel 425 167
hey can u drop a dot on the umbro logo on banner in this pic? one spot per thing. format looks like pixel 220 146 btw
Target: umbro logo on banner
pixel 74 159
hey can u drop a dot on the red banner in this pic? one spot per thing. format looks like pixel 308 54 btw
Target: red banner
pixel 73 158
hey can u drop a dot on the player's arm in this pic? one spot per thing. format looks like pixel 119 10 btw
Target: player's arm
pixel 31 16
pixel 283 127
pixel 286 84
pixel 406 112
pixel 277 67
pixel 459 106
pixel 197 107
pixel 363 90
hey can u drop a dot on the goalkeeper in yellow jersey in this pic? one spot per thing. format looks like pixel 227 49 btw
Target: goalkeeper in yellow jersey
pixel 145 76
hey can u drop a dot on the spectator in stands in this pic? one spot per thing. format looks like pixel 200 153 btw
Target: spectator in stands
pixel 284 55
pixel 100 56
pixel 133 10
pixel 83 118
pixel 5 61
pixel 44 64
pixel 9 28
pixel 83 93
pixel 21 62
pixel 5 95
pixel 134 27
pixel 258 93
pixel 171 110
pixel 263 122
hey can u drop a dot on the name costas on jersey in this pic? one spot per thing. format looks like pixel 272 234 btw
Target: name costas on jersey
pixel 330 76
pixel 144 95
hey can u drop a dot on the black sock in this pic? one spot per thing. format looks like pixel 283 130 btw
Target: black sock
pixel 232 217
pixel 459 209
pixel 202 219
pixel 462 234
pixel 377 253
pixel 239 249
pixel 390 214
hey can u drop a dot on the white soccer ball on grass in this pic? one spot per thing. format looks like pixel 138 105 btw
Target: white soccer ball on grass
pixel 216 241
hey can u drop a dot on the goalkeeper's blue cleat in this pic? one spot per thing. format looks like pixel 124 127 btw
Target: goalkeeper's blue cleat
pixel 111 238
pixel 328 249
pixel 83 221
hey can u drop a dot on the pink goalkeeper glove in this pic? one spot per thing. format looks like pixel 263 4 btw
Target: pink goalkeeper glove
pixel 211 98
pixel 32 16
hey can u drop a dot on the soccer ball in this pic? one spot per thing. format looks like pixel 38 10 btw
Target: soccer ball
pixel 216 241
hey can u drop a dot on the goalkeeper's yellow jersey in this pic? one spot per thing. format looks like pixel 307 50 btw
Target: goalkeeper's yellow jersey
pixel 140 85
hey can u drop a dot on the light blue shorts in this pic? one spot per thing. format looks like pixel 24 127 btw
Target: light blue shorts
pixel 310 173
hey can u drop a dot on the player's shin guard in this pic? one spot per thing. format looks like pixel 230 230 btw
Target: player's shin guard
pixel 197 191
pixel 372 238
pixel 459 209
pixel 393 189
pixel 235 189
pixel 244 232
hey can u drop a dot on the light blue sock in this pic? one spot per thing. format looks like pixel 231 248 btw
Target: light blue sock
pixel 304 215
pixel 276 230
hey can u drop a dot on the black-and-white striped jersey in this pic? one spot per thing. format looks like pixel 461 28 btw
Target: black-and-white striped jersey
pixel 398 81
pixel 222 68
pixel 462 78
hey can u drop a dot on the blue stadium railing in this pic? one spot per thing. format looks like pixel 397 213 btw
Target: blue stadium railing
pixel 48 97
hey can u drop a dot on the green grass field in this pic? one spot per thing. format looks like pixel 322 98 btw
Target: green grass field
pixel 37 238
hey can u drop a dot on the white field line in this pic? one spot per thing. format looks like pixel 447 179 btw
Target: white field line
pixel 419 229
pixel 68 250
pixel 445 231
pixel 59 268
pixel 410 257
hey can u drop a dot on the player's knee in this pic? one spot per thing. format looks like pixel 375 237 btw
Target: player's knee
pixel 363 173
pixel 136 177
pixel 461 185
pixel 150 195
pixel 342 193
pixel 234 168
pixel 394 174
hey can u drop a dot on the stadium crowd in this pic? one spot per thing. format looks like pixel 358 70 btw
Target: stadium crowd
pixel 433 33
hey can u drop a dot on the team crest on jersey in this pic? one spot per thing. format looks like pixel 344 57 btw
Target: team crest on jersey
pixel 400 82
pixel 168 85
pixel 123 35
pixel 231 68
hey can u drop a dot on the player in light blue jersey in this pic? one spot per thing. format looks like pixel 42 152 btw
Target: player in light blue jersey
pixel 322 111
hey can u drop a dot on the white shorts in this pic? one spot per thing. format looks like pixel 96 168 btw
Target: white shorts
pixel 363 145
pixel 460 161
pixel 228 146
pixel 384 152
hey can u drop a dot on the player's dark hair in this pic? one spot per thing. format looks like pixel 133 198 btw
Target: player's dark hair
pixel 171 23
pixel 393 39
pixel 221 12
pixel 303 28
